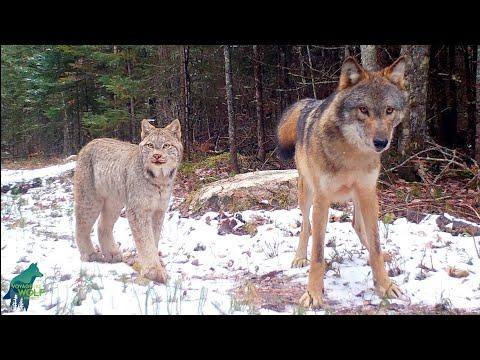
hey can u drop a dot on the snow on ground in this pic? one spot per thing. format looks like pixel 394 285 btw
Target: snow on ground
pixel 205 268
pixel 13 176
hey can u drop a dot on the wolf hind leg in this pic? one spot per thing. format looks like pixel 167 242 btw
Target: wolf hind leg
pixel 359 226
pixel 305 203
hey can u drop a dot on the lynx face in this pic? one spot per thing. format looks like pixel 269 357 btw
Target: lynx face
pixel 161 149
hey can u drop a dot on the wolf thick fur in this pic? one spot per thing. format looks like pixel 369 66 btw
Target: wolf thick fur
pixel 337 145
pixel 112 174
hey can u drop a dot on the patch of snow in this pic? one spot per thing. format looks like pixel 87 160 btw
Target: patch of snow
pixel 14 176
pixel 39 227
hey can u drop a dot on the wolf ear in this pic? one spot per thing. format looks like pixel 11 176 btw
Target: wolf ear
pixel 146 128
pixel 396 72
pixel 351 73
pixel 175 128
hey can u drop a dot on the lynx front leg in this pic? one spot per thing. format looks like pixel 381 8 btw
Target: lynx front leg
pixel 157 220
pixel 369 209
pixel 305 203
pixel 142 231
pixel 313 296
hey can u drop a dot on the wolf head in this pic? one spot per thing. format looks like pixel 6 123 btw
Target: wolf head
pixel 371 104
pixel 33 271
pixel 161 149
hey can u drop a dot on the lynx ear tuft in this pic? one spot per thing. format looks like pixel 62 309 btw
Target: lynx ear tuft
pixel 351 73
pixel 175 128
pixel 146 128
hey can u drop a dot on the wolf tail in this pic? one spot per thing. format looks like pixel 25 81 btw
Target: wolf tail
pixel 287 132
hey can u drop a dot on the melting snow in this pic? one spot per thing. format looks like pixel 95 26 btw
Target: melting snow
pixel 205 267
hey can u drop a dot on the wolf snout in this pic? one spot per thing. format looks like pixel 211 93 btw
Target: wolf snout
pixel 380 144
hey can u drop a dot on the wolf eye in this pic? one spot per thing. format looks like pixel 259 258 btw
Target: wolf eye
pixel 389 110
pixel 363 110
pixel 149 145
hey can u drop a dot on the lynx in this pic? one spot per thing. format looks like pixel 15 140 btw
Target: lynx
pixel 111 175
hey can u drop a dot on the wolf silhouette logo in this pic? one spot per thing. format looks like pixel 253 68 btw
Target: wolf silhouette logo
pixel 21 287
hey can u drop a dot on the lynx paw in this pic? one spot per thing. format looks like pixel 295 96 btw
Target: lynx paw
pixel 96 256
pixel 113 256
pixel 156 273
pixel 391 291
pixel 311 300
pixel 299 262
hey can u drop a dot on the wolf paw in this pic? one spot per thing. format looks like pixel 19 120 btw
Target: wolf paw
pixel 113 256
pixel 156 273
pixel 96 256
pixel 391 291
pixel 299 262
pixel 311 300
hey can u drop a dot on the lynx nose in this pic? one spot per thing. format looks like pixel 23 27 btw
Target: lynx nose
pixel 158 158
pixel 380 144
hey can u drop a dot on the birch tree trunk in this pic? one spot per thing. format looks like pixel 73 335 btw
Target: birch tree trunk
pixel 413 130
pixel 231 115
pixel 369 57
pixel 186 101
pixel 477 137
pixel 257 73
pixel 133 124
pixel 311 71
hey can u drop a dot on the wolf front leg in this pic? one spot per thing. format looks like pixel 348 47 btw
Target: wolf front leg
pixel 313 295
pixel 142 231
pixel 369 208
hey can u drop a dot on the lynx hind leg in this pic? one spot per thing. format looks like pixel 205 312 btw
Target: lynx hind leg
pixel 305 204
pixel 87 207
pixel 87 210
pixel 108 217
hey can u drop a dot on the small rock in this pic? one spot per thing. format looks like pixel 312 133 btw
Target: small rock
pixel 457 273
pixel 195 262
pixel 18 269
pixel 65 277
pixel 200 247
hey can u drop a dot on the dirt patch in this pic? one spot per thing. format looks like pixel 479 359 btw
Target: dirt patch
pixel 274 291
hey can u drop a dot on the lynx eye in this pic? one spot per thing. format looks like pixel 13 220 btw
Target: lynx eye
pixel 149 145
pixel 363 110
pixel 166 146
pixel 389 110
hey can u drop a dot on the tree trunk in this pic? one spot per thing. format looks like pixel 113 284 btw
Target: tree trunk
pixel 67 129
pixel 413 130
pixel 186 101
pixel 231 115
pixel 369 57
pixel 133 123
pixel 477 137
pixel 77 124
pixel 257 73
pixel 348 51
pixel 311 71
pixel 470 62
pixel 302 73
